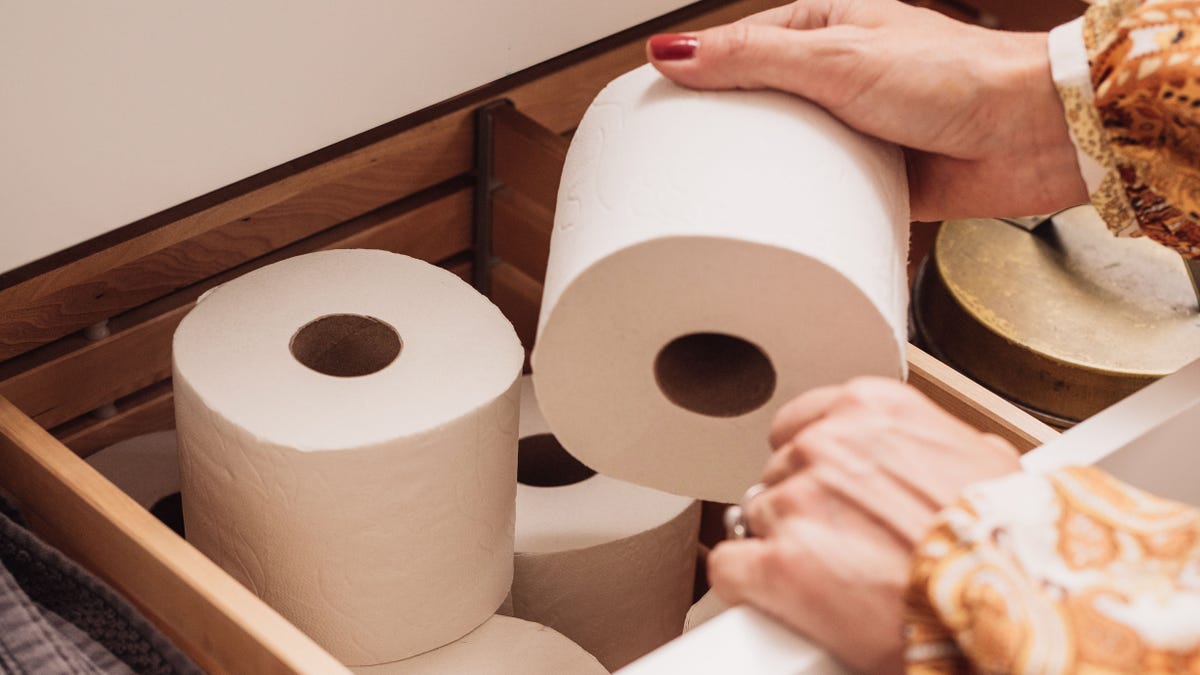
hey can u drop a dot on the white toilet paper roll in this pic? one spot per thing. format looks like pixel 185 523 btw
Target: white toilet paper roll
pixel 714 255
pixel 362 481
pixel 705 609
pixel 609 564
pixel 740 640
pixel 501 646
pixel 147 469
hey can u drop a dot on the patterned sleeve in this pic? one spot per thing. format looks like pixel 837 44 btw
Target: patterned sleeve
pixel 1070 572
pixel 1128 72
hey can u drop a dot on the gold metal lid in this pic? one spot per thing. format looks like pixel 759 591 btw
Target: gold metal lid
pixel 1065 320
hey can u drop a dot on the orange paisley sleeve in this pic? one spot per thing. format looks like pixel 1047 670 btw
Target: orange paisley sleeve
pixel 1070 572
pixel 1137 115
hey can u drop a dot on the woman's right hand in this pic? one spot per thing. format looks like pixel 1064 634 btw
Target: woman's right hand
pixel 858 475
pixel 975 109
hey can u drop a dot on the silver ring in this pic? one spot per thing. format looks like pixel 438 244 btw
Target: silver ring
pixel 736 524
pixel 752 492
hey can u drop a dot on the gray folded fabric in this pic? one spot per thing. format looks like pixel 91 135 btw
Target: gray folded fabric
pixel 57 618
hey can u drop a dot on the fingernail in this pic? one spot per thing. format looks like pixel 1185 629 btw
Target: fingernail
pixel 673 47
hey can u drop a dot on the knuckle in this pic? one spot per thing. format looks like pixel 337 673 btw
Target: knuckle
pixel 772 505
pixel 819 442
pixel 794 453
pixel 738 39
pixel 859 391
pixel 880 394
pixel 776 566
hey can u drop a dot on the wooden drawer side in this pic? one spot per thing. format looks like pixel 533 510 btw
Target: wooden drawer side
pixel 215 620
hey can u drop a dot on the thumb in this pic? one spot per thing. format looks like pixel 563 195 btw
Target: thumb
pixel 809 63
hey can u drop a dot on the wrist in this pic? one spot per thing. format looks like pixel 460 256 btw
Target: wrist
pixel 1041 144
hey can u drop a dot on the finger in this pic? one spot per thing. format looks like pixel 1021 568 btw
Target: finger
pixel 802 411
pixel 800 15
pixel 906 514
pixel 776 576
pixel 827 454
pixel 819 439
pixel 799 496
pixel 810 63
pixel 731 568
pixel 783 463
pixel 946 470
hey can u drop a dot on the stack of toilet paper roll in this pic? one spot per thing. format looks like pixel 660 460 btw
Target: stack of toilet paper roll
pixel 503 645
pixel 348 420
pixel 607 563
pixel 146 468
pixel 714 255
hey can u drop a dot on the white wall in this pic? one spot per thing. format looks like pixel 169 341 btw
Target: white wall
pixel 113 110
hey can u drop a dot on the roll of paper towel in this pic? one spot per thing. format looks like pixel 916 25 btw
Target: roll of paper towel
pixel 714 254
pixel 501 646
pixel 609 564
pixel 147 469
pixel 348 432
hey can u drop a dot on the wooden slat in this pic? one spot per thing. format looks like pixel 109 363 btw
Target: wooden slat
pixel 954 10
pixel 151 409
pixel 116 279
pixel 1028 14
pixel 461 268
pixel 518 296
pixel 113 280
pixel 219 623
pixel 521 232
pixel 973 403
pixel 528 163
pixel 528 156
pixel 55 388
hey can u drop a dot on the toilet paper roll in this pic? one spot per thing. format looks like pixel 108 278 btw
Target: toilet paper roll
pixel 147 469
pixel 740 640
pixel 348 428
pixel 705 609
pixel 714 254
pixel 501 646
pixel 607 563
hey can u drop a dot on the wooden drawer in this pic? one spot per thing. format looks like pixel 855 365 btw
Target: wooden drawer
pixel 85 338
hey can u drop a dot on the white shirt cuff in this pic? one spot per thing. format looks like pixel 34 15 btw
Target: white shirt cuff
pixel 1070 68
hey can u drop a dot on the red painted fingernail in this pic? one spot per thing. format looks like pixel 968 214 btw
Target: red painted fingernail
pixel 673 47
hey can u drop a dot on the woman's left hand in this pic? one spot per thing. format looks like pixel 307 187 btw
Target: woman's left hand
pixel 858 473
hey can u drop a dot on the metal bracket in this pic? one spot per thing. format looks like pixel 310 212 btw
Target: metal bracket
pixel 485 185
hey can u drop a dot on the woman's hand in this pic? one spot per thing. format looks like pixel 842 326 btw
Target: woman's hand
pixel 976 109
pixel 859 472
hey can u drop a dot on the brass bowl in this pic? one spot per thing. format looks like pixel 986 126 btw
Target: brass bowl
pixel 1064 320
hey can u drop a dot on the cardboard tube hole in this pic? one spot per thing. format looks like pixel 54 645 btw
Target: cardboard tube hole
pixel 346 345
pixel 169 511
pixel 714 374
pixel 543 462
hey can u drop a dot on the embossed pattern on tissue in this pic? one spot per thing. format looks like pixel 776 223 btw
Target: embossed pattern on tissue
pixel 604 120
